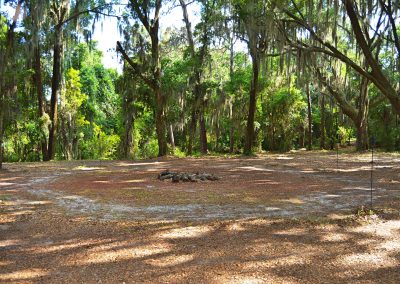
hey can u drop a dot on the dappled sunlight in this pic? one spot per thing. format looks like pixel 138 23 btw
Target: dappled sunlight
pixel 284 158
pixel 292 200
pixel 171 260
pixel 9 179
pixel 186 232
pixel 4 183
pixel 264 222
pixel 155 163
pixel 69 245
pixel 293 232
pixel 133 181
pixel 356 169
pixel 102 181
pixel 261 222
pixel 368 259
pixel 84 168
pixel 25 274
pixel 308 171
pixel 384 230
pixel 10 242
pixel 119 251
pixel 366 242
pixel 334 237
pixel 249 168
pixel 392 181
pixel 38 202
pixel 131 188
pixel 266 182
pixel 390 245
pixel 295 259
pixel 6 262
pixel 235 227
pixel 13 215
pixel 240 279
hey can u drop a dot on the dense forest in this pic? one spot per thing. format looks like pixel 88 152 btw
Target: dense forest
pixel 249 76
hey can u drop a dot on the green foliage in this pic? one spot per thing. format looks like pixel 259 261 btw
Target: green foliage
pixel 344 134
pixel 97 105
pixel 101 146
pixel 285 111
pixel 178 153
pixel 72 97
pixel 149 149
pixel 385 127
pixel 22 143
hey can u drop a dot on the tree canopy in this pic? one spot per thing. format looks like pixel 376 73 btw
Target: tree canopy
pixel 245 77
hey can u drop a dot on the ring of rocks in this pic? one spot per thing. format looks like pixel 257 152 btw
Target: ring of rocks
pixel 186 177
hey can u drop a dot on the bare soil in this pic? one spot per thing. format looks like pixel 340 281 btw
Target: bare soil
pixel 269 219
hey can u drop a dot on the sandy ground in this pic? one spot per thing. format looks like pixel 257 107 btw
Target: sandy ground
pixel 269 219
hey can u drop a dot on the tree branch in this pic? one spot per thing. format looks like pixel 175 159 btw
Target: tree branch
pixel 135 66
pixel 93 10
pixel 347 108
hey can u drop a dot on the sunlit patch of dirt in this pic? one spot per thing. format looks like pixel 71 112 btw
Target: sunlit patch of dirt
pixel 368 259
pixel 119 251
pixel 335 237
pixel 10 242
pixel 26 274
pixel 187 232
pixel 171 260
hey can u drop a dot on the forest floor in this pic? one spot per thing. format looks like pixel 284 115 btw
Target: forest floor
pixel 276 218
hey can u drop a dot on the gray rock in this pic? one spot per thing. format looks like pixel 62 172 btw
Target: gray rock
pixel 166 177
pixel 186 177
pixel 176 178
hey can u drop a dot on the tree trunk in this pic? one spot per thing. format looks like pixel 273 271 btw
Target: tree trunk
pixel 203 135
pixel 1 132
pixel 154 82
pixel 160 101
pixel 55 92
pixel 129 120
pixel 39 91
pixel 232 128
pixel 172 137
pixel 377 76
pixel 322 127
pixel 309 132
pixel 192 131
pixel 217 135
pixel 362 118
pixel 198 104
pixel 67 133
pixel 160 124
pixel 252 104
pixel 362 136
pixel 193 118
pixel 7 63
pixel 301 137
pixel 231 139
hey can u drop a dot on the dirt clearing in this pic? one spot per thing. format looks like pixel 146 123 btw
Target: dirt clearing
pixel 269 219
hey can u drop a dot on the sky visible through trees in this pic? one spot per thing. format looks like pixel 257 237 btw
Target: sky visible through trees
pixel 96 79
pixel 107 36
